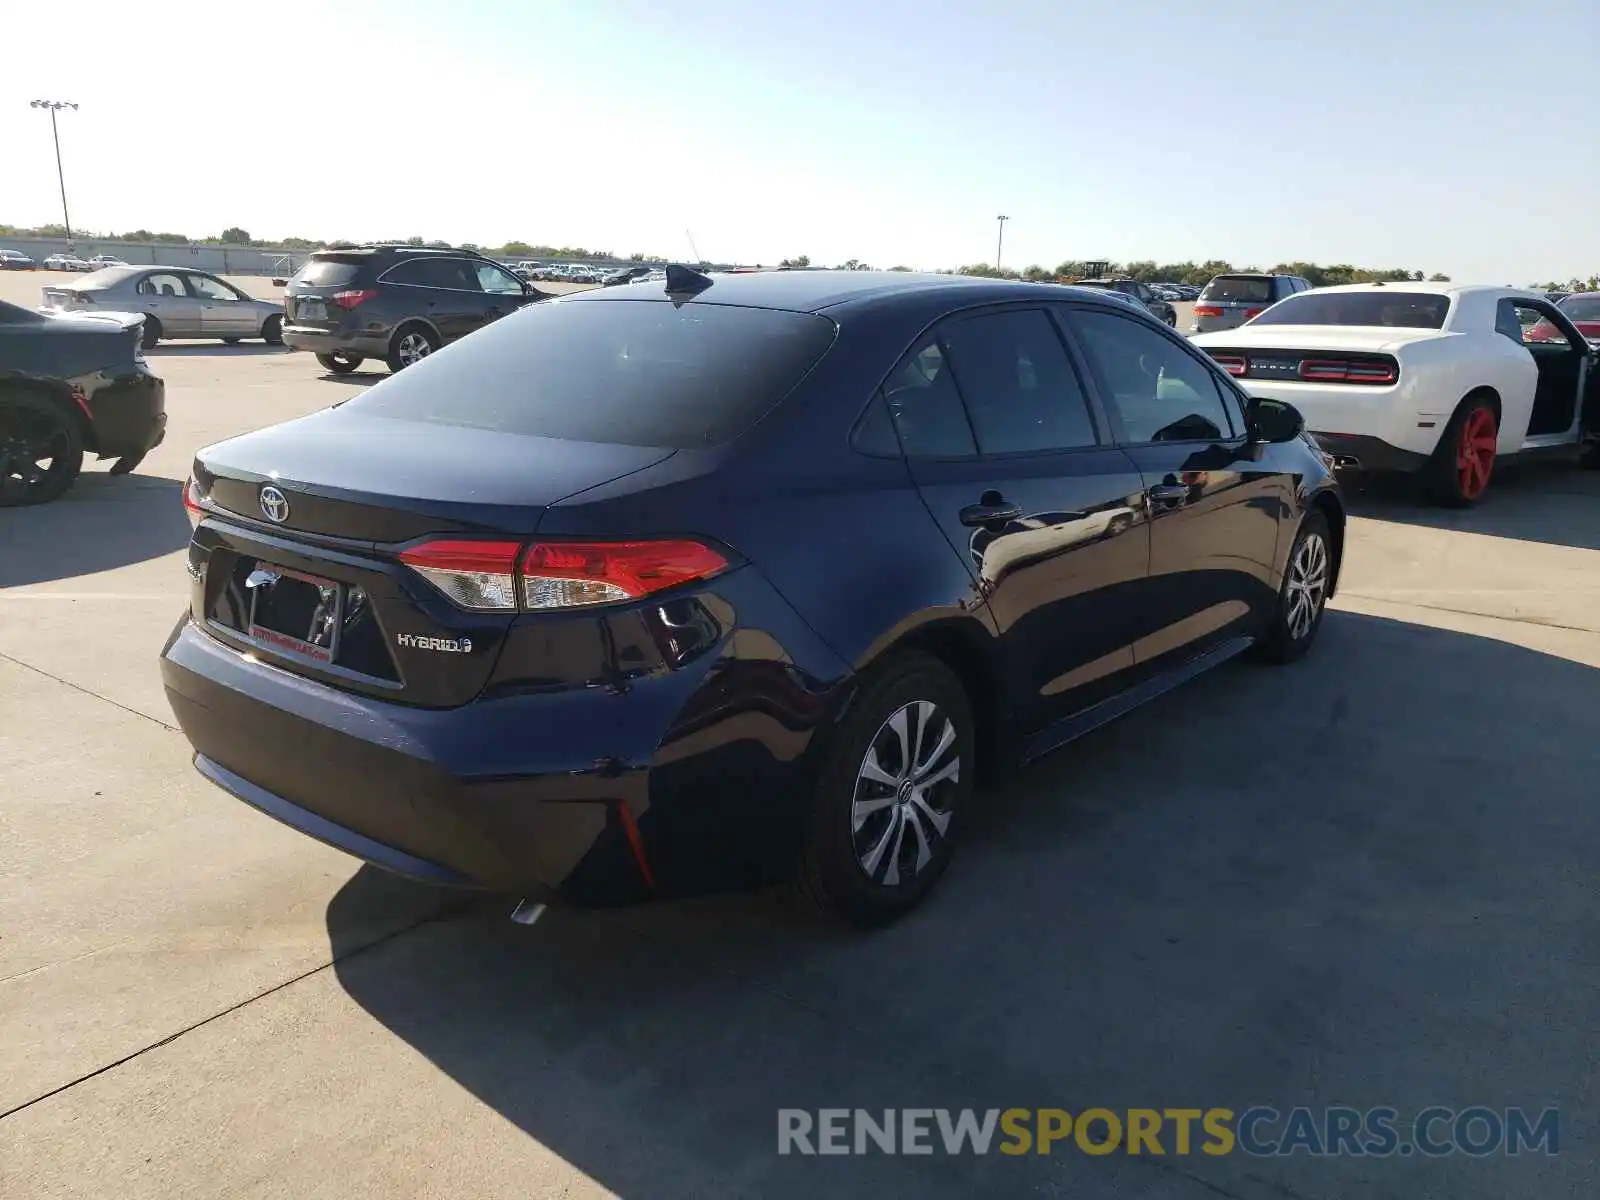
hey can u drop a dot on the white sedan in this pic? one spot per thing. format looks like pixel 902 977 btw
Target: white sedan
pixel 1439 379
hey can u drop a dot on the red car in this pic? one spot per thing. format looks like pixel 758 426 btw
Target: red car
pixel 1582 308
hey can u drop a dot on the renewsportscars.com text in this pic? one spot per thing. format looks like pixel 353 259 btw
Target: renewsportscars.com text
pixel 1433 1132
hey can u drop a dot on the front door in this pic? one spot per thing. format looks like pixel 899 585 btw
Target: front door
pixel 166 297
pixel 1214 514
pixel 502 291
pixel 1563 359
pixel 1005 449
pixel 224 310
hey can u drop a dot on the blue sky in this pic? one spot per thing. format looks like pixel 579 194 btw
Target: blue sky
pixel 1447 135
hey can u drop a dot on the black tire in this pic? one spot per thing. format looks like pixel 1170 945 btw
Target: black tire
pixel 339 364
pixel 1589 455
pixel 872 873
pixel 272 331
pixel 230 341
pixel 1447 482
pixel 1289 636
pixel 152 333
pixel 34 429
pixel 404 344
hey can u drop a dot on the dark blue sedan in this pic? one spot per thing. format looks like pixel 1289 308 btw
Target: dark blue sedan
pixel 669 587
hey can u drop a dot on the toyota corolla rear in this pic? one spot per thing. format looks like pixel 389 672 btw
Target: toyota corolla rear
pixel 390 648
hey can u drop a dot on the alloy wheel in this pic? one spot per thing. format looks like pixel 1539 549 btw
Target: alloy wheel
pixel 413 348
pixel 1475 452
pixel 1307 585
pixel 31 449
pixel 904 791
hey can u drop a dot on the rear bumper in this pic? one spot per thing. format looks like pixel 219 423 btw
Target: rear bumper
pixel 129 416
pixel 1357 452
pixel 335 341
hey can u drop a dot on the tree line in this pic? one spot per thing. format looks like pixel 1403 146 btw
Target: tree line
pixel 1146 270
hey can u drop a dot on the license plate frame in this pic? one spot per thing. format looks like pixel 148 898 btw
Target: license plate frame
pixel 321 641
pixel 310 310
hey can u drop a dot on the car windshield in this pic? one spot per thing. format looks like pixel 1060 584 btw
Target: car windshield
pixel 1249 288
pixel 1381 309
pixel 638 373
pixel 1582 308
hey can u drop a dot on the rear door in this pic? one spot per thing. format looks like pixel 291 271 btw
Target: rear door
pixel 165 295
pixel 1213 515
pixel 1016 467
pixel 224 310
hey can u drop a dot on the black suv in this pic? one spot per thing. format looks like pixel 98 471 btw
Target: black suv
pixel 397 303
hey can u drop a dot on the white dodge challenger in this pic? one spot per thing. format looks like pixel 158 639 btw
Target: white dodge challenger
pixel 1439 379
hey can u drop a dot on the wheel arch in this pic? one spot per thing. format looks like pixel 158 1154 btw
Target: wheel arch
pixel 405 323
pixel 968 649
pixel 1332 510
pixel 60 396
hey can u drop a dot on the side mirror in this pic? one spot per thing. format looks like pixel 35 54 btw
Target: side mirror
pixel 1274 420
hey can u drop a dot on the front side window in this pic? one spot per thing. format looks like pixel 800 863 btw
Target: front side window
pixel 1161 391
pixel 211 289
pixel 1021 392
pixel 498 282
pixel 1533 325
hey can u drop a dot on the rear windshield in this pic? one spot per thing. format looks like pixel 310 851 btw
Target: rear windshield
pixel 1582 308
pixel 1382 309
pixel 104 277
pixel 1249 288
pixel 636 373
pixel 329 272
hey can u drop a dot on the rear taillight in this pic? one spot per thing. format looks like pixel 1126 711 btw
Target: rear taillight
pixel 355 298
pixel 1233 364
pixel 478 575
pixel 572 574
pixel 1207 310
pixel 1339 370
pixel 192 497
pixel 546 576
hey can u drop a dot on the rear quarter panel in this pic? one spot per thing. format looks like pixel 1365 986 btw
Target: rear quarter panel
pixel 1439 373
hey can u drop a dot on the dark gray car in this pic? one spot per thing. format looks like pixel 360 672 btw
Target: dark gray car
pixel 1228 301
pixel 177 302
pixel 1143 293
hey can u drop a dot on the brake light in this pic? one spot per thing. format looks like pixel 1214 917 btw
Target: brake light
pixel 1233 364
pixel 478 575
pixel 571 574
pixel 1207 310
pixel 1339 370
pixel 354 298
pixel 192 497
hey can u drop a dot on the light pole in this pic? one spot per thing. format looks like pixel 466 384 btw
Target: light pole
pixel 999 242
pixel 54 106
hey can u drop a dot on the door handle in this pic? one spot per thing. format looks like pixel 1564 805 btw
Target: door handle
pixel 993 513
pixel 1168 493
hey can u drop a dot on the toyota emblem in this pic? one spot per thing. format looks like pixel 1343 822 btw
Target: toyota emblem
pixel 274 505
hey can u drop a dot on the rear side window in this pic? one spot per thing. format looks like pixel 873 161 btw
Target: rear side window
pixel 329 272
pixel 925 406
pixel 1246 288
pixel 1378 308
pixel 636 373
pixel 1021 392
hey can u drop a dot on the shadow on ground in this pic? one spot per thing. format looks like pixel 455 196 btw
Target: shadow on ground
pixel 213 348
pixel 1363 880
pixel 356 378
pixel 103 521
pixel 1553 502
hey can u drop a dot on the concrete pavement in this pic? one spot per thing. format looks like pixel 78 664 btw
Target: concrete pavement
pixel 1364 880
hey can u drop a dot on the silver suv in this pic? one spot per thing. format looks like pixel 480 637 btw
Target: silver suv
pixel 1228 301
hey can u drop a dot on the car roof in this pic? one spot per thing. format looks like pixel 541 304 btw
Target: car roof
pixel 816 291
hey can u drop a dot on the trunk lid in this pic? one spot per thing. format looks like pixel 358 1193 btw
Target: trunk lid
pixel 322 592
pixel 1354 338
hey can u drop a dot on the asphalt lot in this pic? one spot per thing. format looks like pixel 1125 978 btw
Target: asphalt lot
pixel 1364 880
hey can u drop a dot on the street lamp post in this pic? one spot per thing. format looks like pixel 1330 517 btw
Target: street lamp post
pixel 54 106
pixel 998 245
